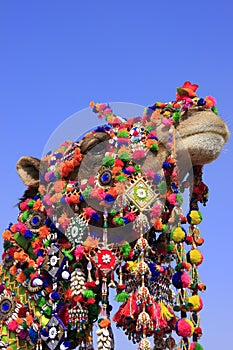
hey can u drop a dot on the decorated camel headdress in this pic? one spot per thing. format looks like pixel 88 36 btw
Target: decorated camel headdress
pixel 106 212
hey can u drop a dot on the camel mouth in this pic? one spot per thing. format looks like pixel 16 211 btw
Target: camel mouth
pixel 223 135
pixel 217 128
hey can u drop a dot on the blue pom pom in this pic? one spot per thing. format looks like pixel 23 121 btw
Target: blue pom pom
pixel 126 221
pixel 52 177
pixel 44 332
pixel 201 102
pixel 55 296
pixel 166 165
pixel 127 172
pixel 94 217
pixel 58 155
pixel 176 280
pixel 109 198
pixel 33 335
pixel 157 179
pixel 28 234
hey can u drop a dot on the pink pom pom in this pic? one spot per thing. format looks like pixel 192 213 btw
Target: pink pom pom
pixel 139 154
pixel 130 169
pixel 88 211
pixel 21 227
pixel 12 325
pixel 79 251
pixel 185 279
pixel 184 328
pixel 155 211
pixel 167 122
pixel 150 174
pixel 172 199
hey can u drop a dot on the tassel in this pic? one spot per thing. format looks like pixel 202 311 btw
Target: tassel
pixel 144 344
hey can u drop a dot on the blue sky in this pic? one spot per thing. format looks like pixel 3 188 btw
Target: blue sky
pixel 57 56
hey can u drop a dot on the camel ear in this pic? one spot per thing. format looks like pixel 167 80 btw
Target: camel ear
pixel 28 169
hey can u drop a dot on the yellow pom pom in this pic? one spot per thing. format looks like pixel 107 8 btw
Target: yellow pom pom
pixel 195 257
pixel 178 235
pixel 196 302
pixel 44 320
pixel 194 217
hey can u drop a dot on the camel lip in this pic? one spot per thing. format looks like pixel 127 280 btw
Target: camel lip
pixel 221 131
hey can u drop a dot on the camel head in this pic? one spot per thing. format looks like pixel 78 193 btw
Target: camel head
pixel 200 132
pixel 121 182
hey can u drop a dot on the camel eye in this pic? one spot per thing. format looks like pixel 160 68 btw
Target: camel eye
pixel 105 177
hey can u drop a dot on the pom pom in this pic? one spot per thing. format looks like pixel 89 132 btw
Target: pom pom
pixel 196 302
pixel 178 235
pixel 122 297
pixel 33 335
pixel 184 328
pixel 87 293
pixel 55 296
pixel 125 157
pixel 12 325
pixel 196 346
pixel 79 252
pixel 195 257
pixel 125 249
pixel 108 161
pixel 180 280
pixel 194 217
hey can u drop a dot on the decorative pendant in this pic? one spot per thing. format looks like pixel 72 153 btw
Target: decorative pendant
pixel 76 229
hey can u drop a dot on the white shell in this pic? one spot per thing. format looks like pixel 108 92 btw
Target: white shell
pixel 99 331
pixel 105 332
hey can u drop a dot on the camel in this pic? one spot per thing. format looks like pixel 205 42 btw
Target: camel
pixel 56 273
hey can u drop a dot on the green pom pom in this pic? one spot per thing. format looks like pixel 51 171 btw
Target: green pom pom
pixel 123 134
pixel 162 186
pixel 87 293
pixel 28 271
pixel 121 178
pixel 170 247
pixel 179 198
pixel 125 157
pixel 41 302
pixel 149 129
pixel 113 212
pixel 25 215
pixel 47 243
pixel 215 110
pixel 119 221
pixel 108 161
pixel 7 245
pixel 86 193
pixel 31 203
pixel 47 311
pixel 154 147
pixel 176 117
pixel 125 249
pixel 137 167
pixel 122 297
pixel 24 325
